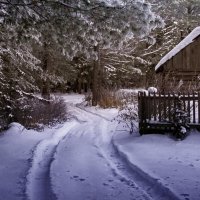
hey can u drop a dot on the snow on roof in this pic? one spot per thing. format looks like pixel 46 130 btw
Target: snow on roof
pixel 185 42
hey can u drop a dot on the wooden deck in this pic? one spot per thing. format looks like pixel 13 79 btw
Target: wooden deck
pixel 155 111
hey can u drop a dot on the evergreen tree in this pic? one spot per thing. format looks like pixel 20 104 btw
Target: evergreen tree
pixel 77 28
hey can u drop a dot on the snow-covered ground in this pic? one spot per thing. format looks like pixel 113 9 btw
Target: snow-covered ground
pixel 174 165
pixel 91 157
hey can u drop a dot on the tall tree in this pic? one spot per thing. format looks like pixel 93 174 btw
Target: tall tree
pixel 78 27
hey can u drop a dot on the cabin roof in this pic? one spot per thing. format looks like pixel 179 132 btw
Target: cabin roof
pixel 185 42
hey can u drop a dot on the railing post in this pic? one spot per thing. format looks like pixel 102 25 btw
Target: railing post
pixel 194 112
pixel 169 107
pixel 154 106
pixel 188 107
pixel 164 106
pixel 198 107
pixel 159 107
pixel 141 111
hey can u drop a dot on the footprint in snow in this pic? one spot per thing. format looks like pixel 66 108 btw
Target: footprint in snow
pixel 185 195
pixel 122 179
pixel 74 177
pixel 100 155
pixel 132 185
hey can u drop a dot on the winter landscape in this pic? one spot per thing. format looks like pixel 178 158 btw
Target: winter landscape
pixel 93 157
pixel 99 99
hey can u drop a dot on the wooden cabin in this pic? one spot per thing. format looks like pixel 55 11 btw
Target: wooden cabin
pixel 179 69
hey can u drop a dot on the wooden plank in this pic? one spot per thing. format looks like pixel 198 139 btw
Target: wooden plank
pixel 159 107
pixel 194 113
pixel 174 105
pixel 140 96
pixel 139 106
pixel 144 107
pixel 184 103
pixel 149 107
pixel 188 107
pixel 169 107
pixel 199 107
pixel 187 58
pixel 164 107
pixel 154 106
pixel 198 53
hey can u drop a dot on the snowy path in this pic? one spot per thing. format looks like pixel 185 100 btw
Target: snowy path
pixel 85 172
pixel 80 162
pixel 91 167
pixel 90 158
pixel 38 178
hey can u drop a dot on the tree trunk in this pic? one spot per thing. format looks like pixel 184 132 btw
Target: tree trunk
pixel 45 82
pixel 79 87
pixel 45 90
pixel 95 95
pixel 96 85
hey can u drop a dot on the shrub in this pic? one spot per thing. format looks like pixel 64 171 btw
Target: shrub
pixel 128 112
pixel 5 111
pixel 35 114
pixel 180 120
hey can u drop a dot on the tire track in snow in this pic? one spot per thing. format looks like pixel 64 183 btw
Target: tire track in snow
pixel 38 186
pixel 94 114
pixel 85 173
pixel 152 186
pixel 127 171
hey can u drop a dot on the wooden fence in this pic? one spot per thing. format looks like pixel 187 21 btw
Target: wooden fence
pixel 156 111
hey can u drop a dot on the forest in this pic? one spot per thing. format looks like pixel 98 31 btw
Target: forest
pixel 82 46
pixel 91 99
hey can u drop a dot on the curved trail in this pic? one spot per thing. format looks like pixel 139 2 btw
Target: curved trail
pixel 38 179
pixel 89 165
pixel 117 180
pixel 87 173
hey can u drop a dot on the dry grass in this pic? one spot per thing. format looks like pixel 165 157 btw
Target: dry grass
pixel 110 99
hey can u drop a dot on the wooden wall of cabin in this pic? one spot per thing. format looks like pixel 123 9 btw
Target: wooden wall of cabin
pixel 183 67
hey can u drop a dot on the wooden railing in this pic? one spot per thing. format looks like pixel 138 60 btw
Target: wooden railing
pixel 156 110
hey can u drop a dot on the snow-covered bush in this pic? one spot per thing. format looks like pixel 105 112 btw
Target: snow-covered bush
pixel 128 115
pixel 35 113
pixel 3 118
pixel 180 120
pixel 128 112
